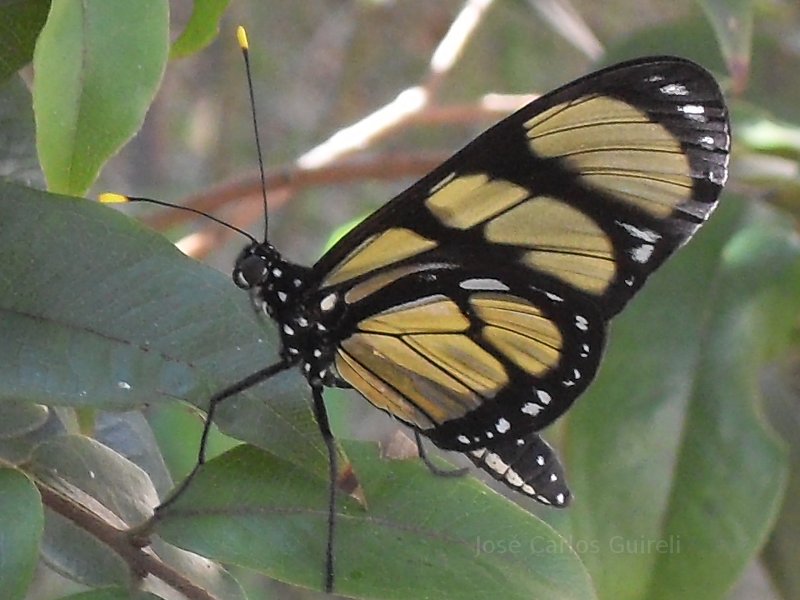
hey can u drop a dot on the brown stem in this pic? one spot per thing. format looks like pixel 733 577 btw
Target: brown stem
pixel 141 561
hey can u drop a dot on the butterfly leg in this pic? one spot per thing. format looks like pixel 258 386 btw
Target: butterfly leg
pixel 325 429
pixel 438 471
pixel 215 400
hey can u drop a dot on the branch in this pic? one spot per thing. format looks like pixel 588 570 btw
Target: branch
pixel 141 562
pixel 410 101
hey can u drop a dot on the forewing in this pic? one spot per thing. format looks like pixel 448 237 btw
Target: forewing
pixel 592 187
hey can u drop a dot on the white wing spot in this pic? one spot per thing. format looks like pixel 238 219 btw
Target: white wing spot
pixel 288 330
pixel 644 234
pixel 544 397
pixel 528 489
pixel 643 253
pixel 694 112
pixel 502 425
pixel 543 500
pixel 554 297
pixel 540 460
pixel 531 408
pixel 576 374
pixel 520 442
pixel 484 284
pixel 282 296
pixel 692 109
pixel 317 353
pixel 302 321
pixel 560 498
pixel 553 477
pixel 463 439
pixel 581 323
pixel 489 435
pixel 674 89
pixel 276 272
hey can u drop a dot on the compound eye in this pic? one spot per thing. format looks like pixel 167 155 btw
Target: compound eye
pixel 249 271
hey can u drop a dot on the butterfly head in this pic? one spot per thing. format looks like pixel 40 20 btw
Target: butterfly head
pixel 254 264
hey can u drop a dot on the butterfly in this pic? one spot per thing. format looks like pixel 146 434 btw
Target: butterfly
pixel 473 307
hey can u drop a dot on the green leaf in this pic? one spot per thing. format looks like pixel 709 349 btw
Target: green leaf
pixel 18 418
pixel 782 554
pixel 341 231
pixel 732 21
pixel 20 23
pixel 202 28
pixel 18 158
pixel 97 311
pixel 21 524
pixel 85 472
pixel 421 536
pixel 677 477
pixel 98 65
pixel 774 82
pixel 687 38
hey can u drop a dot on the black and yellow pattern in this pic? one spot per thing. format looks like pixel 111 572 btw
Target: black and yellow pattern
pixel 473 307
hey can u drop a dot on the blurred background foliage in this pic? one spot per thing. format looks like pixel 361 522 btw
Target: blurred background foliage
pixel 319 65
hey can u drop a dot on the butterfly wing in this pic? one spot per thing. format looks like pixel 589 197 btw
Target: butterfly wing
pixel 469 355
pixel 592 186
pixel 476 300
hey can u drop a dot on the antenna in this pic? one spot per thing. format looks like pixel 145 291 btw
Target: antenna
pixel 241 35
pixel 110 198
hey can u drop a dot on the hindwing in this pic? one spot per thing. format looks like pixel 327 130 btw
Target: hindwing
pixel 469 355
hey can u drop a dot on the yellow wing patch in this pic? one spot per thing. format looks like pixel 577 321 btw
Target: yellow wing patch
pixel 564 242
pixel 616 148
pixel 520 331
pixel 378 251
pixel 427 315
pixel 428 395
pixel 463 202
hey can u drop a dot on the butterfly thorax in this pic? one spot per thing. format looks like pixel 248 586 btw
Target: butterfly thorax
pixel 281 290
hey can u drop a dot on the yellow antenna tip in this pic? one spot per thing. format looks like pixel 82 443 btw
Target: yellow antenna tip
pixel 109 198
pixel 241 35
